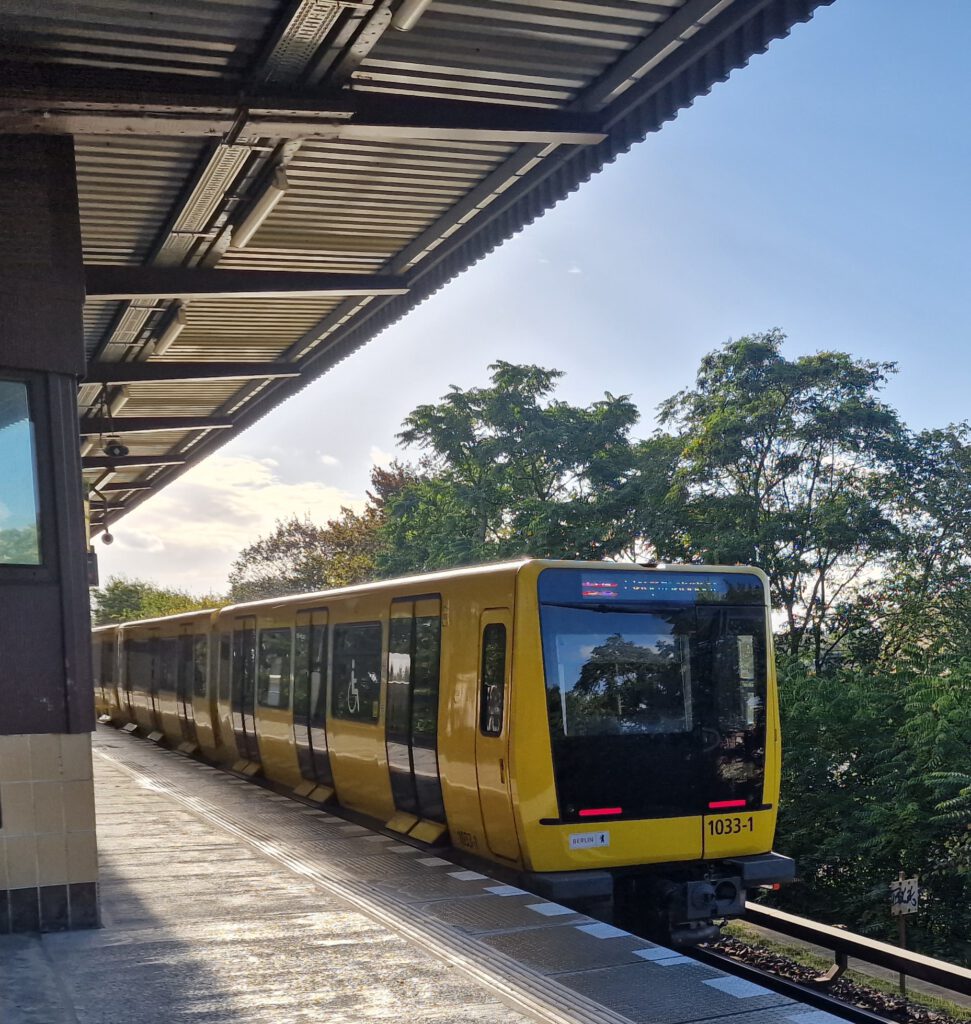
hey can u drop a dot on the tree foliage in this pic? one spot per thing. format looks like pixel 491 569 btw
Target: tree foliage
pixel 875 781
pixel 787 464
pixel 508 471
pixel 125 600
pixel 19 546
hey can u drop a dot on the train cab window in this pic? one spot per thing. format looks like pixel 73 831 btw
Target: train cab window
pixel 493 690
pixel 658 676
pixel 200 664
pixel 273 670
pixel 356 690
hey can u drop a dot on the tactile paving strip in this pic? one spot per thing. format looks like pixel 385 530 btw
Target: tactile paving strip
pixel 559 950
pixel 554 965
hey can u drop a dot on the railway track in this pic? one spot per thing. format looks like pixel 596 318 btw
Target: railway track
pixel 810 995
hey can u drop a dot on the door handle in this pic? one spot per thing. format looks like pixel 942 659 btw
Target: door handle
pixel 502 771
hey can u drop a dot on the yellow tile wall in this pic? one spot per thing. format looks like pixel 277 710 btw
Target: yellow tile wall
pixel 47 832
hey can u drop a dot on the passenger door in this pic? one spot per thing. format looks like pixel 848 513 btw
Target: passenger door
pixel 310 697
pixel 492 734
pixel 411 722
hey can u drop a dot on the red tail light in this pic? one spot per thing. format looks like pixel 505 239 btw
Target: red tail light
pixel 600 812
pixel 721 805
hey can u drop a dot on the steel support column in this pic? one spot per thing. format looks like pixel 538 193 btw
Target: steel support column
pixel 46 714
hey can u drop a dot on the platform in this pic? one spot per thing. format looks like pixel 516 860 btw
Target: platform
pixel 226 903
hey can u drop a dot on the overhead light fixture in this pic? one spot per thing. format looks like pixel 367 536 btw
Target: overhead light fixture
pixel 174 327
pixel 406 16
pixel 118 401
pixel 260 210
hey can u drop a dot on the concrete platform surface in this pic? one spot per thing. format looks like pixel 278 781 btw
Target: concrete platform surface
pixel 225 903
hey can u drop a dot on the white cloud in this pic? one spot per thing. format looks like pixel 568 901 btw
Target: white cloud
pixel 330 460
pixel 190 533
pixel 379 457
pixel 574 269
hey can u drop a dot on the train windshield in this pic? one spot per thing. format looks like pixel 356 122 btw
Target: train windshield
pixel 656 690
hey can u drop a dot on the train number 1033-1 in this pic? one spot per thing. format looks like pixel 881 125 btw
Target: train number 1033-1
pixel 730 826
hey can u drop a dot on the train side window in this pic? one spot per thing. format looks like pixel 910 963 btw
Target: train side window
pixel 168 664
pixel 356 691
pixel 318 674
pixel 200 664
pixel 493 693
pixel 428 652
pixel 107 662
pixel 301 671
pixel 185 667
pixel 225 663
pixel 273 672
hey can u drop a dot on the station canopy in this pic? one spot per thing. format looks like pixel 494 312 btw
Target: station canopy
pixel 266 185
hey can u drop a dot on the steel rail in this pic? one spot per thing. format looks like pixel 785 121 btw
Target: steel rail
pixel 846 944
pixel 815 997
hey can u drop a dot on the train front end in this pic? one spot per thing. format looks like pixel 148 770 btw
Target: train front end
pixel 646 752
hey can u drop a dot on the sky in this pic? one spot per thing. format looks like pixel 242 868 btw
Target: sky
pixel 822 190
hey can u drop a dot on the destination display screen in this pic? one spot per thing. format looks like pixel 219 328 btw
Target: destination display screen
pixel 571 586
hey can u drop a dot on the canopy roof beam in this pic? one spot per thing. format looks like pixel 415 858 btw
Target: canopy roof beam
pixel 116 283
pixel 131 461
pixel 155 371
pixel 119 103
pixel 151 424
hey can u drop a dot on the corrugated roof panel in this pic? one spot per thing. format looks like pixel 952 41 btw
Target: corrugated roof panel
pixel 127 188
pixel 183 398
pixel 98 316
pixel 355 205
pixel 531 52
pixel 211 38
pixel 250 330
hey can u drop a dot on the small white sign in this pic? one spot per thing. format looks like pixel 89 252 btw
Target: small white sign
pixel 588 840
pixel 904 896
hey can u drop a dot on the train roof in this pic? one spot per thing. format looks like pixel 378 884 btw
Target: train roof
pixel 425 580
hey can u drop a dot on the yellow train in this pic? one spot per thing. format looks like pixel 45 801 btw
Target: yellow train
pixel 607 732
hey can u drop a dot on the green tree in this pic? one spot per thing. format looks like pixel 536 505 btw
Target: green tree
pixel 787 464
pixel 874 766
pixel 126 600
pixel 508 470
pixel 19 546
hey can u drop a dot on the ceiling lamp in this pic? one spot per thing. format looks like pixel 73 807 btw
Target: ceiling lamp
pixel 406 16
pixel 261 209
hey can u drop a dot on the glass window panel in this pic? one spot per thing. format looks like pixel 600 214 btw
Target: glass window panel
pixel 493 679
pixel 318 674
pixel 168 664
pixel 357 671
pixel 273 680
pixel 617 673
pixel 399 676
pixel 200 664
pixel 19 513
pixel 301 673
pixel 424 715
